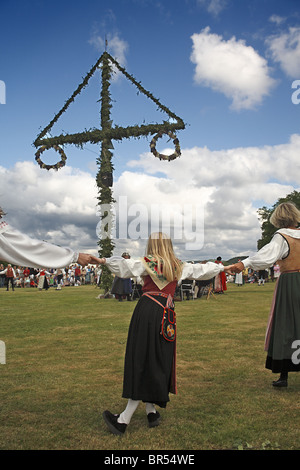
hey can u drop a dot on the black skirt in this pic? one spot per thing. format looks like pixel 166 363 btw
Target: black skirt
pixel 283 349
pixel 149 372
pixel 121 286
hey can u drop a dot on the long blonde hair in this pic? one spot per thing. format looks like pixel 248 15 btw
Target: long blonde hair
pixel 161 248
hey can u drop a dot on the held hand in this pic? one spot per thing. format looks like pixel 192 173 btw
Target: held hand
pixel 96 260
pixel 235 268
pixel 239 267
pixel 229 269
pixel 84 259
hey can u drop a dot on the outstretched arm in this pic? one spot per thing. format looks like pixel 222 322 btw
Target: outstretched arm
pixel 19 249
pixel 201 271
pixel 121 267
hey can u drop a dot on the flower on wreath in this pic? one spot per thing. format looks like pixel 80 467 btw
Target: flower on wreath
pixel 57 165
pixel 161 156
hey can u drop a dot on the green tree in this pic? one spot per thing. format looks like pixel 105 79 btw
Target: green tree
pixel 264 214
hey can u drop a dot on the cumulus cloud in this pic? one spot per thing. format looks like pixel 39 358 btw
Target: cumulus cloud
pixel 284 48
pixel 232 68
pixel 61 206
pixel 247 178
pixel 116 46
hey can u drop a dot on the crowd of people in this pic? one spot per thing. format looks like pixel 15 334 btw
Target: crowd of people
pixel 252 276
pixel 130 289
pixel 74 275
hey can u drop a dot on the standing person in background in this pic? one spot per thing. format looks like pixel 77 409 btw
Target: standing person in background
pixel 238 279
pixel 10 276
pixel 59 273
pixel 77 273
pixel 262 275
pixel 122 288
pixel 245 275
pixel 43 276
pixel 283 330
pixel 150 359
pixel 276 271
pixel 2 276
pixel 220 279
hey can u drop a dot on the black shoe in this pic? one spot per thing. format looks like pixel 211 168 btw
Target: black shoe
pixel 153 419
pixel 280 383
pixel 112 423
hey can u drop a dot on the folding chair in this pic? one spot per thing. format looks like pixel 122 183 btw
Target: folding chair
pixel 135 291
pixel 187 287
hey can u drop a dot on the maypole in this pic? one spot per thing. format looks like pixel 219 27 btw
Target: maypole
pixel 105 135
pixel 105 174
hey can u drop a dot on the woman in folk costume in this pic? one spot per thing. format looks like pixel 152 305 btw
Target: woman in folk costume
pixel 150 359
pixel 283 331
pixel 122 288
pixel 43 281
pixel 17 248
pixel 220 279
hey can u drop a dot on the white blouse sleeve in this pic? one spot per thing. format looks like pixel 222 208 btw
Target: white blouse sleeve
pixel 268 255
pixel 19 249
pixel 125 268
pixel 201 271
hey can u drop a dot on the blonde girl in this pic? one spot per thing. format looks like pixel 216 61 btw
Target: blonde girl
pixel 150 359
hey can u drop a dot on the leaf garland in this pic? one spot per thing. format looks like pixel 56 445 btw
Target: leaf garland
pixel 57 165
pixel 117 133
pixel 161 156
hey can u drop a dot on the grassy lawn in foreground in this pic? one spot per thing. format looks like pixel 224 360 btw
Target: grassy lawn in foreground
pixel 64 366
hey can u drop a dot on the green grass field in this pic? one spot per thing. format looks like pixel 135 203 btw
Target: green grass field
pixel 64 366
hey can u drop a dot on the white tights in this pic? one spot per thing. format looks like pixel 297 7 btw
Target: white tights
pixel 132 405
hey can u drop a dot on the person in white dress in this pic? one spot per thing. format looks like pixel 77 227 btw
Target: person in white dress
pixel 283 330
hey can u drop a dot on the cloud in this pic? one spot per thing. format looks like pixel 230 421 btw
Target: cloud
pixel 213 6
pixel 232 68
pixel 245 179
pixel 116 46
pixel 284 48
pixel 277 19
pixel 227 185
pixel 59 207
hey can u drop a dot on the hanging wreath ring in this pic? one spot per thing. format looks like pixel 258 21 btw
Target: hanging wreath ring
pixel 161 156
pixel 57 165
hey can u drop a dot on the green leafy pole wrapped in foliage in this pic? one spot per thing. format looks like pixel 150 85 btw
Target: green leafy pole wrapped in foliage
pixel 104 176
pixel 105 135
